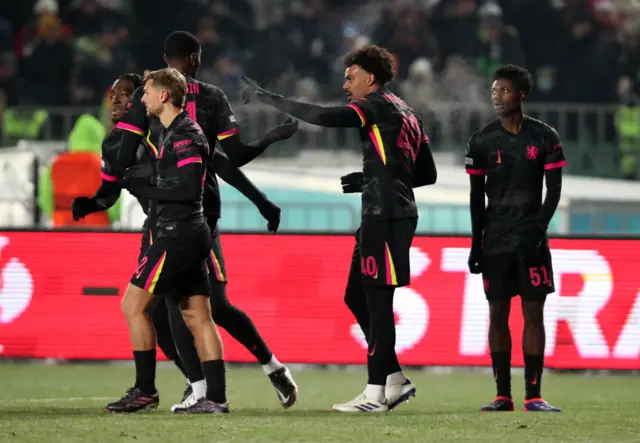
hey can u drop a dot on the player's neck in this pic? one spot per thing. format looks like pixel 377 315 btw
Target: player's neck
pixel 512 122
pixel 168 115
pixel 184 71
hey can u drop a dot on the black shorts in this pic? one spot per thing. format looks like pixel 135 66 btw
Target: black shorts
pixel 383 247
pixel 506 275
pixel 174 264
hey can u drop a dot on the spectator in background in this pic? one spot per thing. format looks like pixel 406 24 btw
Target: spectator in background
pixel 588 67
pixel 455 24
pixel 47 62
pixel 8 63
pixel 628 114
pixel 235 21
pixel 498 44
pixel 227 77
pixel 33 32
pixel 315 47
pixel 212 47
pixel 100 57
pixel 275 49
pixel 420 86
pixel 406 34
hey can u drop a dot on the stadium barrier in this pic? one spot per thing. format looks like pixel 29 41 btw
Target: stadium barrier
pixel 60 294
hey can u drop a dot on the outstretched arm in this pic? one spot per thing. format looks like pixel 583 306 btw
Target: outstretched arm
pixel 228 135
pixel 347 116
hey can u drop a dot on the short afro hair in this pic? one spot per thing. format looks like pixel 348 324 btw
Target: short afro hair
pixel 517 75
pixel 181 44
pixel 375 60
pixel 135 79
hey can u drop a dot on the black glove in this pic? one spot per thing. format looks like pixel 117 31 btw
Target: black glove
pixel 475 259
pixel 253 90
pixel 271 213
pixel 83 206
pixel 531 242
pixel 283 131
pixel 351 182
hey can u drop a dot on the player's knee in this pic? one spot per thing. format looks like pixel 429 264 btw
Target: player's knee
pixel 533 314
pixel 129 305
pixel 197 317
pixel 499 313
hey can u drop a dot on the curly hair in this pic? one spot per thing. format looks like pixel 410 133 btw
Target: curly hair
pixel 517 75
pixel 375 60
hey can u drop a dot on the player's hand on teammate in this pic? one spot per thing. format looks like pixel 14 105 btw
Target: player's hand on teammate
pixel 475 259
pixel 271 213
pixel 351 182
pixel 83 206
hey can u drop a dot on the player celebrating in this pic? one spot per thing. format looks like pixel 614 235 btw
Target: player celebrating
pixel 396 158
pixel 108 193
pixel 210 107
pixel 507 160
pixel 175 264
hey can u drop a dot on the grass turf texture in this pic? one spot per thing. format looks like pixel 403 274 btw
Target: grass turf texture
pixel 65 403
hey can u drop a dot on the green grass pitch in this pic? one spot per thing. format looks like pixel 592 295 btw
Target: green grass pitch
pixel 65 403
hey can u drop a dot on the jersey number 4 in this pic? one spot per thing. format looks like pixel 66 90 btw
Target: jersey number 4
pixel 410 135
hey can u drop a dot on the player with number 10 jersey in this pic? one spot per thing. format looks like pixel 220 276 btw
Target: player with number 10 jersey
pixel 396 158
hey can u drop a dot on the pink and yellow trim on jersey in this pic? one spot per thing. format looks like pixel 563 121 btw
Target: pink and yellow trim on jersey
pixel 376 139
pixel 363 119
pixel 392 279
pixel 154 275
pixel 130 128
pixel 229 133
pixel 217 269
pixel 153 147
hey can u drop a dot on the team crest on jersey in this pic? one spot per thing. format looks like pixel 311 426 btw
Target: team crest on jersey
pixel 532 152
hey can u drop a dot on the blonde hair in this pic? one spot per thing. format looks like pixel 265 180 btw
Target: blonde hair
pixel 173 81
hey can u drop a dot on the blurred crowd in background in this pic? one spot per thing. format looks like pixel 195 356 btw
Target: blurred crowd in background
pixel 68 52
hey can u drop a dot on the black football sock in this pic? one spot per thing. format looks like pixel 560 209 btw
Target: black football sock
pixel 238 324
pixel 382 334
pixel 145 370
pixel 501 362
pixel 533 365
pixel 214 374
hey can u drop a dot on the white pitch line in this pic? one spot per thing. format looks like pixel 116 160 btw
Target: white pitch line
pixel 54 400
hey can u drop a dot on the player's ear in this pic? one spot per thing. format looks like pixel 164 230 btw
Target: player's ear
pixel 371 80
pixel 164 96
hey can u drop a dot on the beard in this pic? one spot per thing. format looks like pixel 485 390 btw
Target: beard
pixel 151 112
